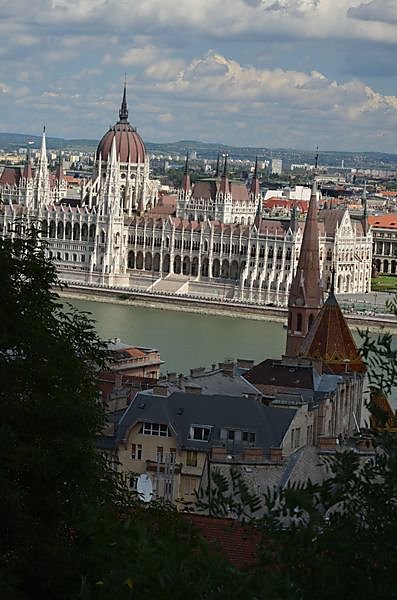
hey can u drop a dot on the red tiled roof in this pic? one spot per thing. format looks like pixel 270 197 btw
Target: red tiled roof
pixel 330 339
pixel 238 541
pixel 10 176
pixel 385 221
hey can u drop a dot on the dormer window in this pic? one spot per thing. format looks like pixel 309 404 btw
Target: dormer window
pixel 200 433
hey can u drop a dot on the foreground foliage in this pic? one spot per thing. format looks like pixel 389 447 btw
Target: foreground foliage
pixel 69 527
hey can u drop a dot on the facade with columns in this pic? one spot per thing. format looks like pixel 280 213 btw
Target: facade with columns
pixel 217 239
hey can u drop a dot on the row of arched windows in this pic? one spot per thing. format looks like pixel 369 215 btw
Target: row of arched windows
pixel 68 231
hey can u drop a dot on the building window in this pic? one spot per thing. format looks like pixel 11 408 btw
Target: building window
pixel 136 451
pixel 231 435
pixel 155 429
pixel 295 437
pixel 74 257
pixel 66 256
pixel 160 454
pixel 201 433
pixel 172 456
pixel 299 322
pixel 249 437
pixel 83 258
pixel 191 458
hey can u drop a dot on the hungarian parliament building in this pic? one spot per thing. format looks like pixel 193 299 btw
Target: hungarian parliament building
pixel 216 243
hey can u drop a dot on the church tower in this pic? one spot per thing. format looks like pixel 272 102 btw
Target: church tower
pixel 41 180
pixel 305 297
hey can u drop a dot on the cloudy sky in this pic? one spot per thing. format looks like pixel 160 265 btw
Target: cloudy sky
pixel 274 73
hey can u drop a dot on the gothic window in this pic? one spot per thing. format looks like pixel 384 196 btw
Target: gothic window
pixel 76 231
pixel 270 252
pixel 299 322
pixel 68 231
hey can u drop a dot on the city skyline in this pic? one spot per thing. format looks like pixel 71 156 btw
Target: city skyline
pixel 286 73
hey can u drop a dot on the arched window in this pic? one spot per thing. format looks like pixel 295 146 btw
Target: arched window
pixel 76 231
pixel 68 231
pixel 60 230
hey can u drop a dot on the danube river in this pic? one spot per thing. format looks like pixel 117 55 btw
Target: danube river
pixel 187 340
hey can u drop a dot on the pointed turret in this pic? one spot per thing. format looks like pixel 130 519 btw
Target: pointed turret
pixel 224 187
pixel 293 223
pixel 218 165
pixel 59 172
pixel 186 177
pixel 305 296
pixel 255 188
pixel 27 169
pixel 41 181
pixel 123 112
pixel 365 213
pixel 330 338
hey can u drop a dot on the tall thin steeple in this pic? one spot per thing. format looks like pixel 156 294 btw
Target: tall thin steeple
pixel 186 177
pixel 255 188
pixel 224 187
pixel 27 170
pixel 42 182
pixel 365 215
pixel 305 298
pixel 218 164
pixel 293 223
pixel 123 112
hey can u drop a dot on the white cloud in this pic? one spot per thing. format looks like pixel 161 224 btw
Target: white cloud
pixel 139 56
pixel 165 118
pixel 384 11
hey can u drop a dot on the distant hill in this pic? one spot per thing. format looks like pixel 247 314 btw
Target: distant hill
pixel 13 141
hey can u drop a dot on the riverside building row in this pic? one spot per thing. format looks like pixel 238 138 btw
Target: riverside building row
pixel 218 243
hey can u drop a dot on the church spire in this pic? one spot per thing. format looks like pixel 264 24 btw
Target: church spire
pixel 218 163
pixel 27 170
pixel 305 296
pixel 330 338
pixel 365 215
pixel 123 112
pixel 224 188
pixel 255 189
pixel 186 178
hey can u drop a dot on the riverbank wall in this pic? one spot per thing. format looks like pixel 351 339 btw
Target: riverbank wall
pixel 378 323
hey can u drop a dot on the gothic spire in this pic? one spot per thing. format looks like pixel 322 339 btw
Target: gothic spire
pixel 27 170
pixel 305 296
pixel 224 188
pixel 218 162
pixel 293 223
pixel 123 112
pixel 255 189
pixel 186 178
pixel 365 215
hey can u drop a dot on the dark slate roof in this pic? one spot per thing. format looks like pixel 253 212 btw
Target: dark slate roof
pixel 180 410
pixel 275 372
pixel 283 377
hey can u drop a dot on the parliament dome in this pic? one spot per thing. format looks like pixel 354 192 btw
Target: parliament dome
pixel 129 144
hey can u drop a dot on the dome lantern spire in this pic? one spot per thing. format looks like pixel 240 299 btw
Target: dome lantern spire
pixel 123 112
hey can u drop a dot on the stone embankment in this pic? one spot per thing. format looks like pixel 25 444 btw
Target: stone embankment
pixel 186 303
